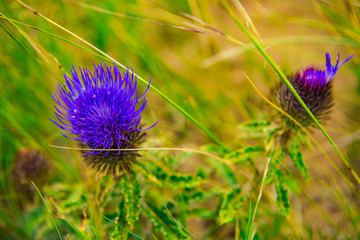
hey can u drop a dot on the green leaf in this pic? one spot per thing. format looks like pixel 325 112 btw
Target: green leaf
pixel 132 199
pixel 199 195
pixel 203 213
pixel 225 171
pixel 255 129
pixel 230 203
pixel 282 199
pixel 297 157
pixel 164 223
pixel 129 207
pixel 270 140
pixel 163 177
pixel 245 154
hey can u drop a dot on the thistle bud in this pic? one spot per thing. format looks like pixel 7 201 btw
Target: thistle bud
pixel 28 165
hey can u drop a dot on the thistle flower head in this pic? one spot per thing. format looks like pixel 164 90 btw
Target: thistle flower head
pixel 314 86
pixel 102 110
pixel 315 79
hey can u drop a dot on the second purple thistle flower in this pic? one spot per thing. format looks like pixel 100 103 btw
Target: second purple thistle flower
pixel 314 86
pixel 102 111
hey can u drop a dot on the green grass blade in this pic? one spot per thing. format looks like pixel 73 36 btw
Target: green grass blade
pixel 249 222
pixel 122 15
pixel 262 187
pixel 55 36
pixel 48 210
pixel 277 41
pixel 17 41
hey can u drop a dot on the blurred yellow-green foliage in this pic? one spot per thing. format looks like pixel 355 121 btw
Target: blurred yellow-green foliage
pixel 197 57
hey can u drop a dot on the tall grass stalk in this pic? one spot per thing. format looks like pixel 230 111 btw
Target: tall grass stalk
pixel 251 229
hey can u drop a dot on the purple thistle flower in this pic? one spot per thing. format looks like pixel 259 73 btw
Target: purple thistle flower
pixel 314 86
pixel 317 78
pixel 101 111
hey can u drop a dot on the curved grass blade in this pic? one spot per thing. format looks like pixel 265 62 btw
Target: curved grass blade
pixel 221 160
pixel 45 56
pixel 18 42
pixel 48 210
pixel 197 22
pixel 122 15
pixel 56 36
pixel 243 12
pixel 351 12
pixel 179 223
pixel 317 39
pixel 262 187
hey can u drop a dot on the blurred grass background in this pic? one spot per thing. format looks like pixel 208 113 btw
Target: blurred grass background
pixel 203 73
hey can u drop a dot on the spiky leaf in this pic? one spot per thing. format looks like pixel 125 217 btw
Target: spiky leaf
pixel 282 199
pixel 297 157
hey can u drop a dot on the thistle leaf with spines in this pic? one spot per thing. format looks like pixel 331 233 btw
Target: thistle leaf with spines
pixel 129 207
pixel 230 204
pixel 245 154
pixel 296 155
pixel 164 177
pixel 282 199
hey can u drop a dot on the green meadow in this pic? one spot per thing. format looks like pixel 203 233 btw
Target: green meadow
pixel 215 166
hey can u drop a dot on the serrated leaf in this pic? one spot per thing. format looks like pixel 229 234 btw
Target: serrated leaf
pixel 297 157
pixel 167 178
pixel 245 154
pixel 224 171
pixel 215 149
pixel 132 199
pixel 129 207
pixel 203 213
pixel 183 181
pixel 230 203
pixel 282 199
pixel 203 195
pixel 193 196
pixel 256 129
